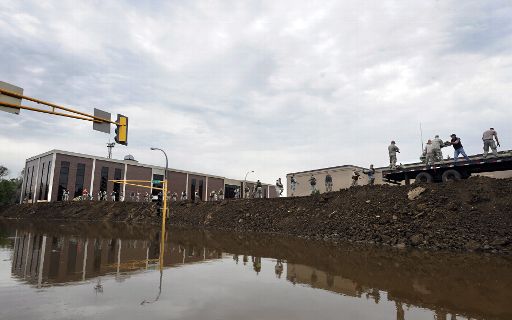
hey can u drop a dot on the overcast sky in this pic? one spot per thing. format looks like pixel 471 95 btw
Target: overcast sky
pixel 271 86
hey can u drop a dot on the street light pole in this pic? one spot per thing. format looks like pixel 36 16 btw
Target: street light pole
pixel 166 161
pixel 164 211
pixel 245 181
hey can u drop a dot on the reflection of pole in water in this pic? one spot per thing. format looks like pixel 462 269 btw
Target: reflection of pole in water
pixel 98 288
pixel 161 258
pixel 118 256
pixel 85 259
pixel 147 255
pixel 41 263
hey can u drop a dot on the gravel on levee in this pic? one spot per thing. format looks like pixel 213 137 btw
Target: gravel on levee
pixel 467 215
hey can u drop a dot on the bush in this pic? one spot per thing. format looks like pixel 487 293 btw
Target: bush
pixel 9 191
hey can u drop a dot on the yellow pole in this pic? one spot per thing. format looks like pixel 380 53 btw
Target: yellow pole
pixel 53 105
pixel 164 214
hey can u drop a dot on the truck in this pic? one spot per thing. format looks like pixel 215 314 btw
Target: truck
pixel 447 170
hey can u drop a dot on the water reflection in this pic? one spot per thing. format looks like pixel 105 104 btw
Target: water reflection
pixel 40 259
pixel 451 286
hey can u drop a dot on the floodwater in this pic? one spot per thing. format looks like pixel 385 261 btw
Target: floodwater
pixel 112 271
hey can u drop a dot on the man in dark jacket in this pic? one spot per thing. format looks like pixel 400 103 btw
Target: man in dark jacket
pixel 458 149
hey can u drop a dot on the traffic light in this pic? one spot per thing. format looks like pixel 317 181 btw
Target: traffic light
pixel 122 130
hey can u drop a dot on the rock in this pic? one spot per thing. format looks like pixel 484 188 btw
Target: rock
pixel 472 245
pixel 395 217
pixel 385 238
pixel 400 245
pixel 415 193
pixel 416 239
pixel 499 242
pixel 367 201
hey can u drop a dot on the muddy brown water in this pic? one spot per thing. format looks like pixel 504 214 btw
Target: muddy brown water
pixel 111 271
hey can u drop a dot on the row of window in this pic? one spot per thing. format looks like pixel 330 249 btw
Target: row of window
pixel 80 177
pixel 44 181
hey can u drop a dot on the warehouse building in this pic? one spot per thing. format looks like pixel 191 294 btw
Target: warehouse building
pixel 341 179
pixel 47 175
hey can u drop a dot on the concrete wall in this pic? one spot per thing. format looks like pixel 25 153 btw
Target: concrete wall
pixel 216 184
pixel 177 182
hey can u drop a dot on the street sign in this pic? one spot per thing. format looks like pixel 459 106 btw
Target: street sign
pixel 101 126
pixel 9 99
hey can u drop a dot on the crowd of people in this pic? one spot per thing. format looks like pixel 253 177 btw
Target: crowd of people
pixel 328 180
pixel 432 152
pixel 86 195
pixel 255 191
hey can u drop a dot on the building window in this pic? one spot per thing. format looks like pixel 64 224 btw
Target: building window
pixel 63 179
pixel 40 194
pixel 104 179
pixel 200 189
pixel 47 181
pixel 27 190
pixel 79 181
pixel 117 186
pixel 193 189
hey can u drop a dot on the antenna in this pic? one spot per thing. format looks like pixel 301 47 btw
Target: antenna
pixel 110 145
pixel 421 137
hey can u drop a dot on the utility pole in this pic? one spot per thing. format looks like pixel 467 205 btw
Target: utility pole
pixel 110 145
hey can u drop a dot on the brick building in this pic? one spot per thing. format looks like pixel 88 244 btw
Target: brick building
pixel 48 174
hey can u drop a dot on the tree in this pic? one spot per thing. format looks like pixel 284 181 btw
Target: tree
pixel 3 171
pixel 9 188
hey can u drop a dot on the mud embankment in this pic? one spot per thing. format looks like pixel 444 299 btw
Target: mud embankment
pixel 474 215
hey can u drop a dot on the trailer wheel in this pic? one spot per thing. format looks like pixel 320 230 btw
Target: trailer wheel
pixel 424 177
pixel 451 175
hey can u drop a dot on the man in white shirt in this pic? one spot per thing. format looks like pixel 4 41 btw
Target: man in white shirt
pixel 488 139
pixel 429 153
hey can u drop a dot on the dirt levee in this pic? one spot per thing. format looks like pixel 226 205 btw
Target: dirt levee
pixel 85 211
pixel 473 214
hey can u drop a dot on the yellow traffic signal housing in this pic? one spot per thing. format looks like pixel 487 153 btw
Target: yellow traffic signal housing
pixel 122 130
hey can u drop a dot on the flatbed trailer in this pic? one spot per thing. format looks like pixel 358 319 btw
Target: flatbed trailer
pixel 447 170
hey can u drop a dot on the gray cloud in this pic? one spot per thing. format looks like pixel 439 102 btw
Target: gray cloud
pixel 264 85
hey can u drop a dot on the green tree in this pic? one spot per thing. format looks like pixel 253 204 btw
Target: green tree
pixel 9 188
pixel 3 171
